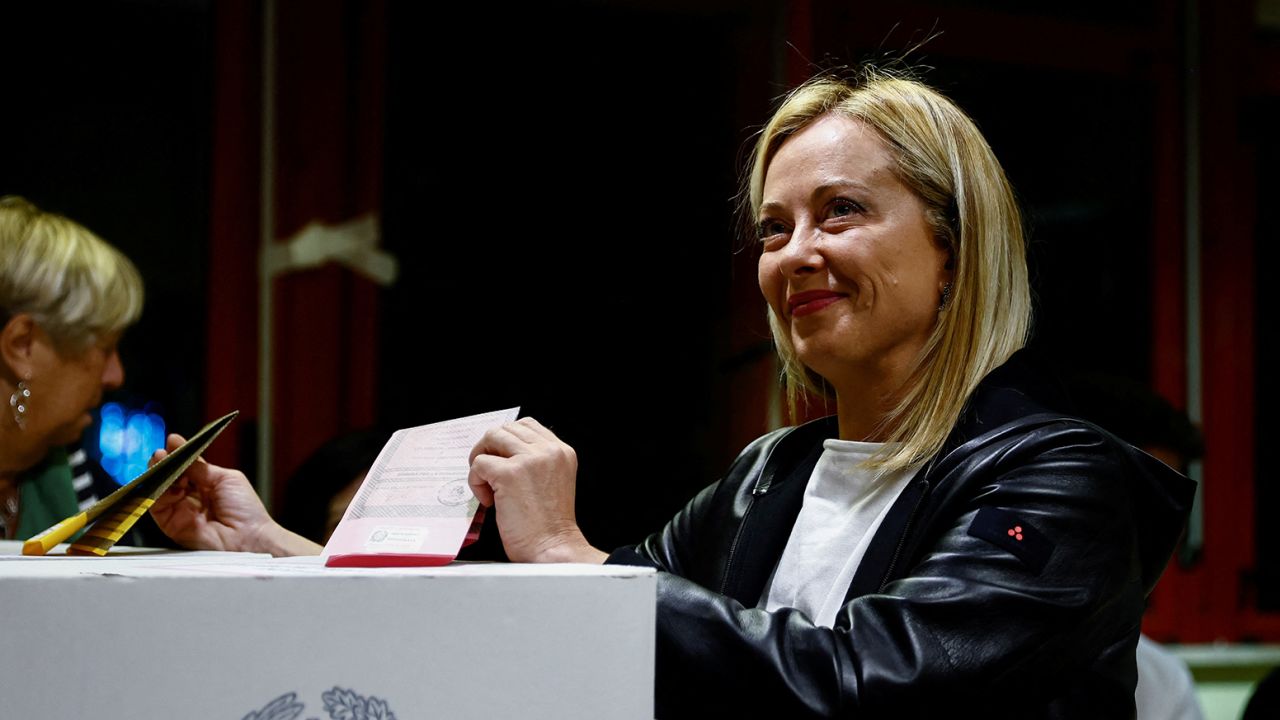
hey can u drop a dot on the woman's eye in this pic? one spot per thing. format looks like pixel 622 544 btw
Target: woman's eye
pixel 769 228
pixel 843 208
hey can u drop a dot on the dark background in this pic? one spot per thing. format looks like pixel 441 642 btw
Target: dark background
pixel 558 185
pixel 561 209
pixel 106 120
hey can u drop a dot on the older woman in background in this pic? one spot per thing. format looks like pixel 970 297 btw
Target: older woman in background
pixel 66 296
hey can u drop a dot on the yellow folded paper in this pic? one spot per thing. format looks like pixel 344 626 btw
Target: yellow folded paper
pixel 111 517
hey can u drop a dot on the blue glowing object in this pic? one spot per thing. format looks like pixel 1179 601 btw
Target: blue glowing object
pixel 127 439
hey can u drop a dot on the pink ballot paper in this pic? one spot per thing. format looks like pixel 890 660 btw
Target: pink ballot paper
pixel 414 506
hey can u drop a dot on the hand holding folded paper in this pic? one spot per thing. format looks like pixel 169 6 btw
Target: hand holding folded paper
pixel 112 517
pixel 415 506
pixel 216 508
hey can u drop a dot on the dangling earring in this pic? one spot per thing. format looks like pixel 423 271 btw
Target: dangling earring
pixel 946 297
pixel 19 402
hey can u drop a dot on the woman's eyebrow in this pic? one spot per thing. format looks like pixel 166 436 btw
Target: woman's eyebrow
pixel 840 184
pixel 825 188
pixel 770 208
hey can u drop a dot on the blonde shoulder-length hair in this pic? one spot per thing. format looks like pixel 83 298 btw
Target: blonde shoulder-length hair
pixel 945 161
pixel 74 284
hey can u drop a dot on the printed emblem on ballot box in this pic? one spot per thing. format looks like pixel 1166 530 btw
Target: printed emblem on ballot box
pixel 338 703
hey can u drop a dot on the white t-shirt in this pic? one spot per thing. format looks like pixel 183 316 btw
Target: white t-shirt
pixel 844 505
pixel 1165 689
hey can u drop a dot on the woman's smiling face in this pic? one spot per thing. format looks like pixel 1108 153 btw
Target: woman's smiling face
pixel 849 263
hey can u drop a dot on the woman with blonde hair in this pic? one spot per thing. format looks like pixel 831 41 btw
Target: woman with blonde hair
pixel 948 542
pixel 66 296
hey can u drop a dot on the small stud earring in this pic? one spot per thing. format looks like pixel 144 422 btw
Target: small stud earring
pixel 946 297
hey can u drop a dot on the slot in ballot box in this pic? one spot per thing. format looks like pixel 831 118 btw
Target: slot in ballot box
pixel 244 637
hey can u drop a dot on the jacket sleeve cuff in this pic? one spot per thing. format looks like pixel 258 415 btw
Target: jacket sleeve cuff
pixel 630 555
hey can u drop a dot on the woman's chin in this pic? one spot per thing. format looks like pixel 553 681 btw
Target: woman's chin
pixel 823 358
pixel 70 432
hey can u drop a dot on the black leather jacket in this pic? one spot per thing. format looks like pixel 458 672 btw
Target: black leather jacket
pixel 948 612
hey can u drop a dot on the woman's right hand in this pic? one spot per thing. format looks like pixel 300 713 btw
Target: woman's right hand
pixel 528 474
pixel 215 508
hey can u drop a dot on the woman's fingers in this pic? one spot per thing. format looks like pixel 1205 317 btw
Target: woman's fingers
pixel 538 429
pixel 479 479
pixel 523 430
pixel 504 441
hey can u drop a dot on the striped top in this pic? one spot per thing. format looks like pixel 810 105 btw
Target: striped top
pixel 82 479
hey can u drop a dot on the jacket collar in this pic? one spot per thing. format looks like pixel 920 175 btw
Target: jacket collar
pixel 1010 392
pixel 1015 390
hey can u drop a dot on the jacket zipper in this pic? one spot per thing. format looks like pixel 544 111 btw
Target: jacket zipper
pixel 906 531
pixel 733 548
pixel 762 487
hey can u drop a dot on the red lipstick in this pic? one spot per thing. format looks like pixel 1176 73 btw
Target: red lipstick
pixel 811 301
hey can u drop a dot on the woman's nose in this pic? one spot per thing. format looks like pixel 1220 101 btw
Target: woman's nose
pixel 802 255
pixel 113 372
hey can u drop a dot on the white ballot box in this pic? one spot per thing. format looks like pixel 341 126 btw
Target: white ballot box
pixel 245 637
